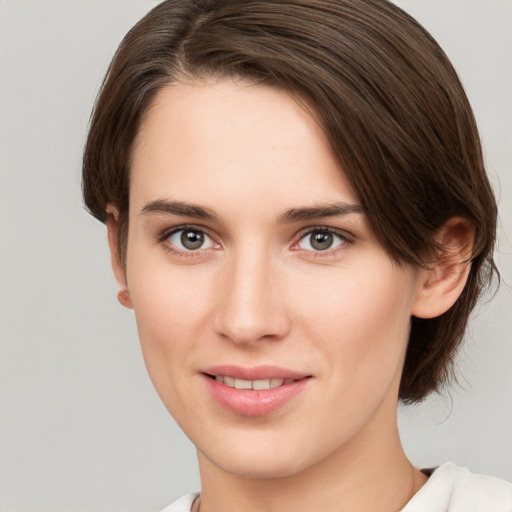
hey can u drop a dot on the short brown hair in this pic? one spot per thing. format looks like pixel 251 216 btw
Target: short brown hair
pixel 383 91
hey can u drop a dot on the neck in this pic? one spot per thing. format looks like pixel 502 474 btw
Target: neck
pixel 371 472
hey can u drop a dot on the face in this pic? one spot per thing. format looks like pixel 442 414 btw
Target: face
pixel 272 323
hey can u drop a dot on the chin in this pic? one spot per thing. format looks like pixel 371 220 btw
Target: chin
pixel 259 467
pixel 268 457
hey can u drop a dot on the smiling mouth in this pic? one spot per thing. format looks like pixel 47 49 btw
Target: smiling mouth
pixel 254 391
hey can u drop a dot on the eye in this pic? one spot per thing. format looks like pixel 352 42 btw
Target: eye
pixel 190 239
pixel 321 240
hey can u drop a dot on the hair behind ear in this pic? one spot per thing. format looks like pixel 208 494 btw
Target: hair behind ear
pixel 450 288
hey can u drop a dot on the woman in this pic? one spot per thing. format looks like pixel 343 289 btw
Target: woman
pixel 299 215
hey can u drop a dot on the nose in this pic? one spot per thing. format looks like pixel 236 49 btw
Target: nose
pixel 252 306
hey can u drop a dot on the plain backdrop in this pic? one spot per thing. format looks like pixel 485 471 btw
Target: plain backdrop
pixel 81 428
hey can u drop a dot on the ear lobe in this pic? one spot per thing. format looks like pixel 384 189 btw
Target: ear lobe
pixel 123 296
pixel 440 285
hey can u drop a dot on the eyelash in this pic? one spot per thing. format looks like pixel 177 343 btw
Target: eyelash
pixel 343 237
pixel 164 240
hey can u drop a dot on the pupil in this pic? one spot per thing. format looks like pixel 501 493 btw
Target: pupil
pixel 321 241
pixel 192 239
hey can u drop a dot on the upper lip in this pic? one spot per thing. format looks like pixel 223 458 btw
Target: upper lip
pixel 255 373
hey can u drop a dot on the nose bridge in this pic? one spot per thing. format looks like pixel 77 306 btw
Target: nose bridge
pixel 252 305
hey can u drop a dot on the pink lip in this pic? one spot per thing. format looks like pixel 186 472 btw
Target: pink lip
pixel 252 402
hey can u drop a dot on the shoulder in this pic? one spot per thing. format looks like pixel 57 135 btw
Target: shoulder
pixel 184 504
pixel 451 488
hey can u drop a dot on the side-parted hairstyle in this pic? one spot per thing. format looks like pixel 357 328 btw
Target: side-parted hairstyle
pixel 382 90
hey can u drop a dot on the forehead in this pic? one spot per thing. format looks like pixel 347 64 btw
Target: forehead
pixel 216 139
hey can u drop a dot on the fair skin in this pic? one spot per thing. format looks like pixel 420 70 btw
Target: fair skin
pixel 242 263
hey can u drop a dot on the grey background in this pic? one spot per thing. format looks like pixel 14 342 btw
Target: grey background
pixel 81 428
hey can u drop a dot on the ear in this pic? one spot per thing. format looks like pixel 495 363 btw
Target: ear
pixel 440 285
pixel 112 223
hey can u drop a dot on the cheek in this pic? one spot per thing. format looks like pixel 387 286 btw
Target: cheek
pixel 361 318
pixel 168 305
pixel 171 307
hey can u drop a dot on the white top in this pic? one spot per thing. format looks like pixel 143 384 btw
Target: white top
pixel 184 504
pixel 450 488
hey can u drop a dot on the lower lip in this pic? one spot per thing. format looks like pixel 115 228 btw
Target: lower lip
pixel 248 402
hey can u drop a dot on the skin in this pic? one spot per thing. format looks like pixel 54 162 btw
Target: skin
pixel 259 293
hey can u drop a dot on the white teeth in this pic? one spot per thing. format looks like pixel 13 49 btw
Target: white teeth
pixel 275 383
pixel 243 384
pixel 232 382
pixel 229 381
pixel 261 384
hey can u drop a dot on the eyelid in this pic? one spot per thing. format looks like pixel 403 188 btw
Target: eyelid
pixel 163 238
pixel 346 237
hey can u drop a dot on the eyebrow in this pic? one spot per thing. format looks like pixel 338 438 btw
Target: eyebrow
pixel 318 212
pixel 288 217
pixel 178 208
